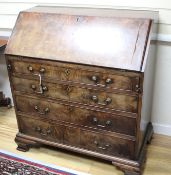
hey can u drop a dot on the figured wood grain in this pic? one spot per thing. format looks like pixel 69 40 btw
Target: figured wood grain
pixel 158 153
pixel 80 95
pixel 121 42
pixel 58 71
pixel 75 115
pixel 40 129
pixel 107 144
pixel 86 139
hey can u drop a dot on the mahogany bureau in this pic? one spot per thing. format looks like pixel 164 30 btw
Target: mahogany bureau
pixel 77 81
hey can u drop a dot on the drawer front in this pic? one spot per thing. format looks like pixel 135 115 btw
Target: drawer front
pixel 50 132
pixel 78 73
pixel 40 129
pixel 93 97
pixel 75 115
pixel 114 123
pixel 43 108
pixel 106 144
pixel 93 141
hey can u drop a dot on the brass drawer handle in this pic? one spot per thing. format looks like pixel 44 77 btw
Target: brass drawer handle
pixel 95 98
pixel 43 132
pixel 96 79
pixel 30 68
pixel 9 67
pixel 137 88
pixel 44 112
pixel 108 81
pixel 43 89
pixel 107 101
pixel 105 147
pixel 107 123
pixel 41 70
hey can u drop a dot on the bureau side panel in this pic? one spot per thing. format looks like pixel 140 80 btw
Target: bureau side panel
pixel 147 90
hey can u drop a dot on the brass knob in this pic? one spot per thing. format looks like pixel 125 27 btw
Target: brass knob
pixel 36 107
pixel 44 88
pixel 48 131
pixel 38 129
pixel 95 142
pixel 33 86
pixel 47 110
pixel 108 81
pixel 137 88
pixel 30 68
pixel 108 100
pixel 94 98
pixel 95 120
pixel 43 112
pixel 9 67
pixel 108 122
pixel 107 145
pixel 42 70
pixel 94 78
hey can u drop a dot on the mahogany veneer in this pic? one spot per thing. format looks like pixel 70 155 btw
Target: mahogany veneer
pixel 77 82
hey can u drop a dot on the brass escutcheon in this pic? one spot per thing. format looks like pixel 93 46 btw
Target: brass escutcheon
pixel 67 72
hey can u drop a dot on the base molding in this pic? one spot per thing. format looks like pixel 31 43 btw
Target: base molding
pixel 25 144
pixel 136 167
pixel 129 167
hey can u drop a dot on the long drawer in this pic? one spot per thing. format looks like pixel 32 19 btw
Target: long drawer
pixel 78 94
pixel 93 141
pixel 114 79
pixel 76 115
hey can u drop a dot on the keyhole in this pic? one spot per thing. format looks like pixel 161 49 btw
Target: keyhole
pixel 67 72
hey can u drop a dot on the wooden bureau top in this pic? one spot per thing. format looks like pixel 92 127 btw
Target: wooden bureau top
pixel 108 41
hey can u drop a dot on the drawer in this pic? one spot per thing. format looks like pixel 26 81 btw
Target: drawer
pixel 93 141
pixel 106 144
pixel 93 97
pixel 48 131
pixel 115 79
pixel 40 129
pixel 76 115
pixel 109 122
pixel 43 108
